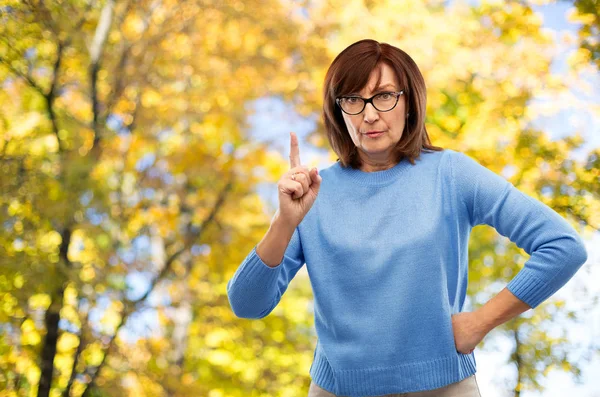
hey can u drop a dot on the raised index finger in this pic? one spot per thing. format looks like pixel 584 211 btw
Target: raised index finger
pixel 294 151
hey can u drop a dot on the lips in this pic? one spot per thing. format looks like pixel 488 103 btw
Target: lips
pixel 373 132
pixel 374 135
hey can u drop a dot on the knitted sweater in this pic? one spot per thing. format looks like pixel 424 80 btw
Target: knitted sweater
pixel 387 258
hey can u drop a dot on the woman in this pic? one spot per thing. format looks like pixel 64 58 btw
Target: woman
pixel 384 235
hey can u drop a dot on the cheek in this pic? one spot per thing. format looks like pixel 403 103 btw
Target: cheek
pixel 350 124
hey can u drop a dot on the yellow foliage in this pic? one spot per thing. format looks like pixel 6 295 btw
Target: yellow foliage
pixel 69 313
pixel 29 334
pixel 249 373
pixel 187 379
pixel 216 337
pixel 39 301
pixel 133 27
pixel 67 341
pixel 579 57
pixel 220 357
pixel 216 393
pixel 278 336
pixel 275 166
pixel 50 241
pixel 25 125
pixel 9 302
pixel 18 281
pixel 87 274
pixel 93 354
pixel 32 373
pixel 574 16
pixel 110 320
pixel 150 98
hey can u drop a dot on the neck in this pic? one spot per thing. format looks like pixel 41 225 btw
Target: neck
pixel 375 165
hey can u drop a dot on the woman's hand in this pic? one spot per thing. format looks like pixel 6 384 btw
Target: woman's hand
pixel 297 194
pixel 468 331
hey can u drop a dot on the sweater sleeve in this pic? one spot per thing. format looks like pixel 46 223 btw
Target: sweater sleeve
pixel 256 288
pixel 556 250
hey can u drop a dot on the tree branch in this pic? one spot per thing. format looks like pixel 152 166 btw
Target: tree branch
pixel 131 306
pixel 517 357
pixel 80 346
pixel 579 217
pixel 51 96
pixel 97 46
pixel 23 76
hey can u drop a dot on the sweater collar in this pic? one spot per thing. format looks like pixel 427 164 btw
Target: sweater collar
pixel 377 177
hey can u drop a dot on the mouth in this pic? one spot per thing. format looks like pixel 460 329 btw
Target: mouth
pixel 374 134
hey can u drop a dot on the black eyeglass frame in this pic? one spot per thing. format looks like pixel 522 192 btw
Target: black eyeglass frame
pixel 370 100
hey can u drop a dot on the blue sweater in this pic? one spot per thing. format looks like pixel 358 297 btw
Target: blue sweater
pixel 387 258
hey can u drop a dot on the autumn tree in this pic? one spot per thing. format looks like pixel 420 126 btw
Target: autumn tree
pixel 125 159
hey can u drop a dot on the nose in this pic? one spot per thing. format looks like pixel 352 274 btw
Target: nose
pixel 370 113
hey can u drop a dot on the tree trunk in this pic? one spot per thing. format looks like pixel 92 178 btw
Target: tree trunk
pixel 51 320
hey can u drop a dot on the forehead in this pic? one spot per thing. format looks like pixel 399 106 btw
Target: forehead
pixel 387 80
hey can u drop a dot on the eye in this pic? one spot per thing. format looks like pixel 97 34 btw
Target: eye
pixel 385 95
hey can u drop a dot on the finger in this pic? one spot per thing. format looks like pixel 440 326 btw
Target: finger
pixel 292 188
pixel 310 179
pixel 294 151
pixel 315 177
pixel 304 179
pixel 299 191
pixel 300 170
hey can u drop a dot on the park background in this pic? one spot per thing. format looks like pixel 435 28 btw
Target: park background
pixel 140 147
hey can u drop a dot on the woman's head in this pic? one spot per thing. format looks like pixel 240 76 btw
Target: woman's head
pixel 365 69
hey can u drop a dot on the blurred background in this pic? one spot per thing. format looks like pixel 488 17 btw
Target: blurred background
pixel 140 147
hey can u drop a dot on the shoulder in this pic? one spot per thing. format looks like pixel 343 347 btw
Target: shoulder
pixel 435 155
pixel 455 158
pixel 330 169
pixel 435 158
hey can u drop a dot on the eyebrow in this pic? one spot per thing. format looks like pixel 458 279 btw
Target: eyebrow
pixel 379 89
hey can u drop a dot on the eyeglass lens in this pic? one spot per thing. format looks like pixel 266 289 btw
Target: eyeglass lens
pixel 383 102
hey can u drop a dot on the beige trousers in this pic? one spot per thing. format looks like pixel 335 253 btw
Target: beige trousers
pixel 467 387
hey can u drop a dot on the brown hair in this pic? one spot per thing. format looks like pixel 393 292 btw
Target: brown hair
pixel 349 72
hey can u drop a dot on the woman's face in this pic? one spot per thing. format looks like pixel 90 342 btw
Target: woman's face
pixel 376 152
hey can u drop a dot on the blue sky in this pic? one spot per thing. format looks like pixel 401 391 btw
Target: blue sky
pixel 568 120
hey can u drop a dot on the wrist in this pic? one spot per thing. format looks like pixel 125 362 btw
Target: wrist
pixel 282 225
pixel 484 320
pixel 500 309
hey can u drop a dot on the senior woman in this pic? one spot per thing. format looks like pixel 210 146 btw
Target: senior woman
pixel 384 235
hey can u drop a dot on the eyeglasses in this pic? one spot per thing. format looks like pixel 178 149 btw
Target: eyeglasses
pixel 383 102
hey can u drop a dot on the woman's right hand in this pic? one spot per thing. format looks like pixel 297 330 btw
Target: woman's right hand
pixel 296 197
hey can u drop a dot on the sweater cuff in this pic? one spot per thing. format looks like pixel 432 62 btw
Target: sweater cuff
pixel 253 285
pixel 529 288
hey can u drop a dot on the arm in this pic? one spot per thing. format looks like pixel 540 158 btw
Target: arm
pixel 471 327
pixel 257 286
pixel 499 310
pixel 271 248
pixel 556 250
